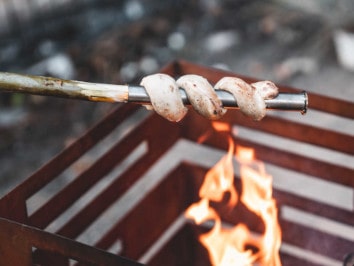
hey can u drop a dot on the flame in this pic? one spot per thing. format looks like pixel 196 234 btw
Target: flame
pixel 221 126
pixel 216 125
pixel 220 179
pixel 230 246
pixel 257 197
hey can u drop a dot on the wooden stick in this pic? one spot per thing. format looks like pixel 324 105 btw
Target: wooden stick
pixel 47 86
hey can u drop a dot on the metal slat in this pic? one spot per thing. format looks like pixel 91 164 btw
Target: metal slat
pixel 68 195
pixel 25 237
pixel 85 217
pixel 64 159
pixel 154 213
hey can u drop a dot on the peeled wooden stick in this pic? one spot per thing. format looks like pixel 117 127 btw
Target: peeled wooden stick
pixel 48 86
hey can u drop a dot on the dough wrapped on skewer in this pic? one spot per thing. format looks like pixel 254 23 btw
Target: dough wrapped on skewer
pixel 166 100
pixel 202 96
pixel 165 97
pixel 248 99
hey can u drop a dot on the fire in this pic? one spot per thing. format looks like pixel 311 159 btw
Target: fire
pixel 231 246
pixel 218 126
pixel 221 126
pixel 220 179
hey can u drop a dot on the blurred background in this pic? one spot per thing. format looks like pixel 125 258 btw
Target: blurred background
pixel 307 44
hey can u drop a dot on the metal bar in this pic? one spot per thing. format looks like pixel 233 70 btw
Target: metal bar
pixel 64 159
pixel 284 101
pixel 98 92
pixel 18 239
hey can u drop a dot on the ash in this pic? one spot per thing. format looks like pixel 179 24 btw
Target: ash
pixel 120 41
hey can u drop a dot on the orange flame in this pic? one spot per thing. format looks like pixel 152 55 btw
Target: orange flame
pixel 221 126
pixel 216 125
pixel 220 179
pixel 257 197
pixel 229 246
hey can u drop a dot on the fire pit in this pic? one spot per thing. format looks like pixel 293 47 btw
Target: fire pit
pixel 130 200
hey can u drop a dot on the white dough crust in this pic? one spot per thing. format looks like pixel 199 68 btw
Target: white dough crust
pixel 165 97
pixel 248 98
pixel 202 96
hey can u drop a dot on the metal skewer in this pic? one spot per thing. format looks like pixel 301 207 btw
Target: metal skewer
pixel 99 92
pixel 284 101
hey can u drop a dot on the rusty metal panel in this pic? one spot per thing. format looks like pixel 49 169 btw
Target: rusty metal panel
pixel 17 241
pixel 144 224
